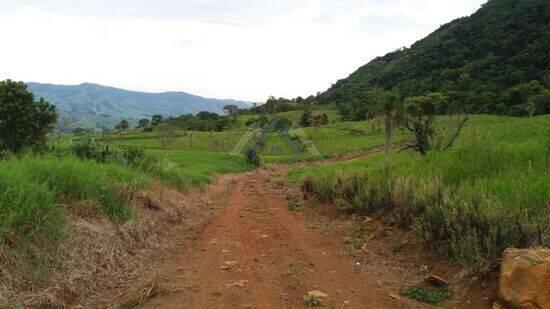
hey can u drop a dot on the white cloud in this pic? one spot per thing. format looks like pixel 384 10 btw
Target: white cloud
pixel 240 49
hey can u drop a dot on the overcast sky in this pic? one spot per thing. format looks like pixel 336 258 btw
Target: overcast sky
pixel 240 49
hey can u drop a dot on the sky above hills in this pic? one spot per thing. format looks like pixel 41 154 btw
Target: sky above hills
pixel 240 49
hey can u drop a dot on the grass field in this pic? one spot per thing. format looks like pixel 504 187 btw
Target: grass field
pixel 334 138
pixel 490 191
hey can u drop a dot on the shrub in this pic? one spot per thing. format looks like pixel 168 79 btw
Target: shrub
pixel 252 157
pixel 132 155
pixel 425 295
pixel 320 187
pixel 312 300
pixel 350 192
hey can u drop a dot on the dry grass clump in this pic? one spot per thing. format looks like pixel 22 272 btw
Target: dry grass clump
pixel 103 263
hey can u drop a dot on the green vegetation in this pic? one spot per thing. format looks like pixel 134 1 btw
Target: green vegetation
pixel 39 194
pixel 312 300
pixel 473 185
pixel 203 121
pixel 425 295
pixel 354 241
pixel 24 123
pixel 197 167
pixel 495 58
pixel 193 287
pixel 295 206
pixel 470 202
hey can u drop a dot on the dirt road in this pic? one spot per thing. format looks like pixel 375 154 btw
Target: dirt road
pixel 257 253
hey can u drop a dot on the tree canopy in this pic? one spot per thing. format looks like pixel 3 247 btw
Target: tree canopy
pixel 24 122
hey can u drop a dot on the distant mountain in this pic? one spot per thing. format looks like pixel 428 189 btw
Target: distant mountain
pixel 498 57
pixel 96 106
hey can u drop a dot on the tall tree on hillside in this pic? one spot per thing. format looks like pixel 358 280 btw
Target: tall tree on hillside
pixel 390 106
pixel 316 122
pixel 231 110
pixel 123 125
pixel 156 120
pixel 143 123
pixel 305 120
pixel 23 122
pixel 531 108
pixel 420 120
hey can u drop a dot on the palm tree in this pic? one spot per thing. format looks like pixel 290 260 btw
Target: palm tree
pixel 390 105
pixel 316 122
pixel 531 108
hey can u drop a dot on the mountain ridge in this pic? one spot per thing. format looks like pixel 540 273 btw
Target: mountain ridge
pixel 95 105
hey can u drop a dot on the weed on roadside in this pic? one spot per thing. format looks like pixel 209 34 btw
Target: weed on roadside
pixel 313 301
pixel 396 247
pixel 193 287
pixel 295 206
pixel 425 295
pixel 354 241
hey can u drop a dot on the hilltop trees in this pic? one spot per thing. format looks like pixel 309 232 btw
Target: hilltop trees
pixel 279 105
pixel 231 110
pixel 156 120
pixel 203 121
pixel 123 125
pixel 389 107
pixel 305 120
pixel 144 123
pixel 23 122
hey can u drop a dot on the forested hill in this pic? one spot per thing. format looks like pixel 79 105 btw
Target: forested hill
pixel 95 105
pixel 498 56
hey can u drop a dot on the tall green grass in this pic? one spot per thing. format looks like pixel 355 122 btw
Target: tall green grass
pixel 490 191
pixel 36 190
pixel 39 193
pixel 28 209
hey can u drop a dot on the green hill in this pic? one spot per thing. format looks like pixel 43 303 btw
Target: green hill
pixel 96 106
pixel 496 57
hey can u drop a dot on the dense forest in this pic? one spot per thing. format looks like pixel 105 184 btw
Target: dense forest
pixel 497 59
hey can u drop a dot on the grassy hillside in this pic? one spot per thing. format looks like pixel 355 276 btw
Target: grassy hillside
pixel 489 58
pixel 490 191
pixel 334 138
pixel 96 106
